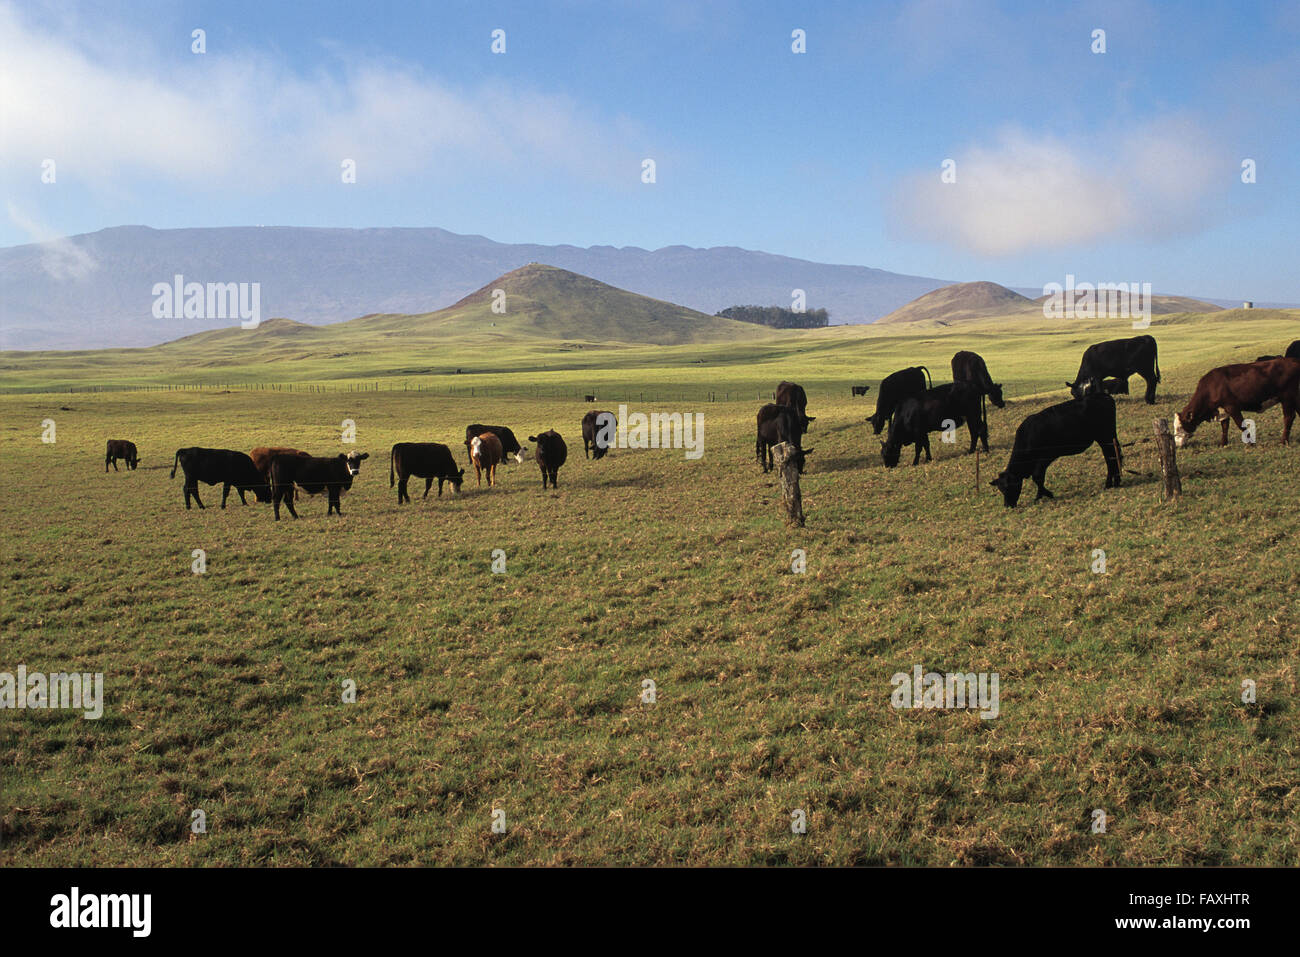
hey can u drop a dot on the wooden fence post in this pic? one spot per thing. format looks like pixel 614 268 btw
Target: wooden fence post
pixel 1168 461
pixel 791 498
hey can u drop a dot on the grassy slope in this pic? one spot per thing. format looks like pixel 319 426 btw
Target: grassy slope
pixel 520 691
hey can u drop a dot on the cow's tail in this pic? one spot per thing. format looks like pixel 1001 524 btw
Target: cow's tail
pixel 1157 367
pixel 391 481
pixel 929 383
pixel 176 463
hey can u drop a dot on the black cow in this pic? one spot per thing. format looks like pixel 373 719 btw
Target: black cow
pixel 551 452
pixel 970 367
pixel 121 449
pixel 1114 386
pixel 859 389
pixel 1292 351
pixel 510 447
pixel 313 475
pixel 1066 429
pixel 1118 358
pixel 225 466
pixel 896 387
pixel 934 410
pixel 791 393
pixel 426 460
pixel 592 425
pixel 777 424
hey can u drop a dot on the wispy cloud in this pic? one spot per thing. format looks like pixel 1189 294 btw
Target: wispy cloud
pixel 1024 192
pixel 247 120
pixel 60 257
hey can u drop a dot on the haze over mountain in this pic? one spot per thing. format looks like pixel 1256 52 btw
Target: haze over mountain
pixel 95 290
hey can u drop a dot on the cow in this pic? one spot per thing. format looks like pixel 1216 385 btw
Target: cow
pixel 791 393
pixel 263 454
pixel 896 387
pixel 593 424
pixel 1292 351
pixel 1065 429
pixel 777 424
pixel 858 390
pixel 224 466
pixel 510 447
pixel 970 367
pixel 550 452
pixel 426 460
pixel 121 449
pixel 485 453
pixel 313 475
pixel 934 410
pixel 1118 358
pixel 1228 391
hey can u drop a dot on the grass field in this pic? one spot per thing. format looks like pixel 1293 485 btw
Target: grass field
pixel 521 691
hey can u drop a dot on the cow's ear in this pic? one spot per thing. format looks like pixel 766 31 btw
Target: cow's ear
pixel 365 455
pixel 343 456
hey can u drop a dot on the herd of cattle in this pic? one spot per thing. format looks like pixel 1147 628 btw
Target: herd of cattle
pixel 912 407
pixel 908 403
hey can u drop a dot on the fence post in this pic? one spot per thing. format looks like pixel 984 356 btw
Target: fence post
pixel 791 498
pixel 1165 448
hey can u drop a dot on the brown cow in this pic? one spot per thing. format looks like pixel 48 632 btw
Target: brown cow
pixel 485 453
pixel 121 449
pixel 263 454
pixel 1228 391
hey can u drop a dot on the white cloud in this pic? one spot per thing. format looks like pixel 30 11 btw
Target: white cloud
pixel 241 119
pixel 1024 192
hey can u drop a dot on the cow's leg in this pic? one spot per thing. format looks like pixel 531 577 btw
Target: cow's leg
pixel 428 484
pixel 194 490
pixel 1110 452
pixel 586 449
pixel 1288 416
pixel 973 424
pixel 1039 475
pixel 440 481
pixel 110 459
pixel 555 473
pixel 225 492
pixel 401 489
pixel 242 500
pixel 1150 380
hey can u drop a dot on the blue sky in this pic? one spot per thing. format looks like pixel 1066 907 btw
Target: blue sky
pixel 1118 166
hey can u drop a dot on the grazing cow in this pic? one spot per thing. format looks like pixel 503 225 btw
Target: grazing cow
pixel 970 367
pixel 485 453
pixel 550 451
pixel 510 447
pixel 225 466
pixel 426 460
pixel 777 424
pixel 859 389
pixel 1066 429
pixel 1118 358
pixel 121 449
pixel 896 387
pixel 313 475
pixel 593 423
pixel 1228 391
pixel 791 393
pixel 589 398
pixel 934 410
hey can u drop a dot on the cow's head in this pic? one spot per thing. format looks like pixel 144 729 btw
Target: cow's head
pixel 1009 486
pixel 1181 432
pixel 262 493
pixel 457 481
pixel 1076 389
pixel 995 395
pixel 353 460
pixel 808 420
pixel 889 454
pixel 520 455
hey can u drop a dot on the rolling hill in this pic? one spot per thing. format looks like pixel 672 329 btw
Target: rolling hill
pixel 93 290
pixel 964 300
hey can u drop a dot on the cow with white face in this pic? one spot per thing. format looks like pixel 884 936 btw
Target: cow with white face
pixel 511 450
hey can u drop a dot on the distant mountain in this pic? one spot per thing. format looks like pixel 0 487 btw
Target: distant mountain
pixel 95 290
pixel 987 300
pixel 964 300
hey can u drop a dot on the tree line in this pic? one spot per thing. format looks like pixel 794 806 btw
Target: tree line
pixel 778 318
